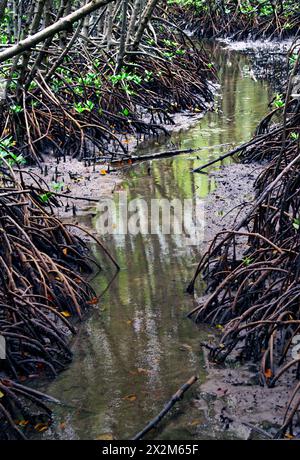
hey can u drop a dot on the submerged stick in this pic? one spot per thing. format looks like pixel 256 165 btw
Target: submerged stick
pixel 176 397
pixel 152 156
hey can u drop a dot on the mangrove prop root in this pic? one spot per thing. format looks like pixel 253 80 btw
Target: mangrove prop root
pixel 175 398
pixel 272 20
pixel 85 103
pixel 42 293
pixel 252 272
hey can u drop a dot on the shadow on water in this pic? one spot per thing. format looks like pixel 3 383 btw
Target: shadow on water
pixel 138 348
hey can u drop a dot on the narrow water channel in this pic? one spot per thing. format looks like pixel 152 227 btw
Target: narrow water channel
pixel 134 352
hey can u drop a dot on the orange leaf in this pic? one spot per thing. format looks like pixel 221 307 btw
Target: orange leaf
pixel 103 172
pixel 268 373
pixel 93 301
pixel 65 251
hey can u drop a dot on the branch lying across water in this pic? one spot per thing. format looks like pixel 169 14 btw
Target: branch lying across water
pixel 153 156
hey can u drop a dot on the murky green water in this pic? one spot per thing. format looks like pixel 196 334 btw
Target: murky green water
pixel 134 352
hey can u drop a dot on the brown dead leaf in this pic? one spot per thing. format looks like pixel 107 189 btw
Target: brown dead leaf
pixel 141 370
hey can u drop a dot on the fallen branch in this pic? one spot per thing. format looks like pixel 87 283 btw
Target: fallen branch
pixel 256 141
pixel 153 156
pixel 176 397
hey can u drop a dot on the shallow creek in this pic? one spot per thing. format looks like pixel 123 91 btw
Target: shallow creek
pixel 138 347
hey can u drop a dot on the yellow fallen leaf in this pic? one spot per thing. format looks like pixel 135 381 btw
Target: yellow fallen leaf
pixel 1 394
pixel 66 314
pixel 22 422
pixel 103 172
pixel 65 251
pixel 105 437
pixel 195 422
pixel 131 397
pixel 40 427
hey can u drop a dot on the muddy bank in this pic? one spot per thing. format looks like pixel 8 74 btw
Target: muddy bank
pixel 231 199
pixel 231 397
pixel 268 59
pixel 238 405
pixel 237 20
pixel 80 185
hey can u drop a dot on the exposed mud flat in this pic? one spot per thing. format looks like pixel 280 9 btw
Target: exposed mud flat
pixel 238 405
pixel 232 197
pixel 80 183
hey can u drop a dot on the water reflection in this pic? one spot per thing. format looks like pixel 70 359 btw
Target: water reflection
pixel 135 351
